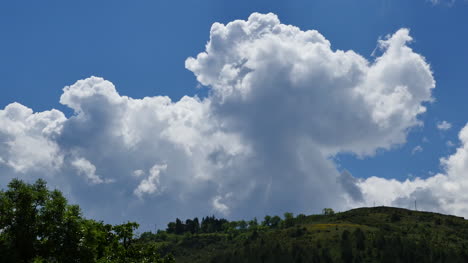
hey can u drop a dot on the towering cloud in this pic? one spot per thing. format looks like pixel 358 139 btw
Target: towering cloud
pixel 282 103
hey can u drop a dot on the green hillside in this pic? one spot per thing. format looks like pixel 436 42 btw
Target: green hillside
pixel 379 234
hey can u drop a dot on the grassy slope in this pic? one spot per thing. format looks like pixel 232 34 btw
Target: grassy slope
pixel 390 234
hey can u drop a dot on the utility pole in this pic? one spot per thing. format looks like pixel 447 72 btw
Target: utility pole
pixel 415 205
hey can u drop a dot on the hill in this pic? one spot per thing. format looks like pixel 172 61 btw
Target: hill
pixel 378 234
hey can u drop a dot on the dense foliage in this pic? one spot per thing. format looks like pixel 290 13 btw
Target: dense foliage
pixel 38 225
pixel 380 234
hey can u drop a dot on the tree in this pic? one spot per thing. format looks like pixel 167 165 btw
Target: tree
pixel 253 223
pixel 288 220
pixel 124 232
pixel 20 206
pixel 275 221
pixel 328 211
pixel 267 221
pixel 52 227
pixel 192 226
pixel 242 225
pixel 196 225
pixel 179 227
pixel 171 227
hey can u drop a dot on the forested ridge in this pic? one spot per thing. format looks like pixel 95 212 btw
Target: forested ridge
pixel 38 225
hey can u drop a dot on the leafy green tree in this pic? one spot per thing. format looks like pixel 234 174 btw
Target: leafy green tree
pixel 192 226
pixel 288 220
pixel 253 224
pixel 328 211
pixel 171 227
pixel 125 233
pixel 196 225
pixel 267 221
pixel 242 225
pixel 20 206
pixel 275 221
pixel 179 227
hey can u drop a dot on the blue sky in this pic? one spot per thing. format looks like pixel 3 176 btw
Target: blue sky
pixel 141 47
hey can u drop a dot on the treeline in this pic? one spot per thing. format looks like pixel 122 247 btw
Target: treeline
pixel 207 225
pixel 211 224
pixel 38 225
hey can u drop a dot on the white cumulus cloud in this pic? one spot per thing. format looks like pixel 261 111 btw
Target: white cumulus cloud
pixel 444 192
pixel 275 78
pixel 282 103
pixel 26 138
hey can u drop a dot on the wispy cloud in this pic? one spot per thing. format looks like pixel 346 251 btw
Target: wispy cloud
pixel 444 126
pixel 448 3
pixel 416 150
